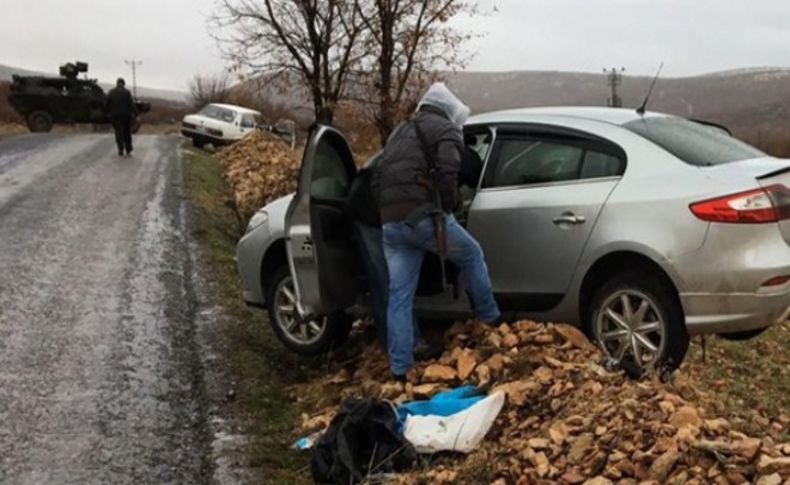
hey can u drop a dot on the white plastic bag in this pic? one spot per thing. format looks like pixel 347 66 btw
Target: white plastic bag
pixel 461 431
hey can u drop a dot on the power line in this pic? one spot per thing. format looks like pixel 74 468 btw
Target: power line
pixel 134 65
pixel 614 79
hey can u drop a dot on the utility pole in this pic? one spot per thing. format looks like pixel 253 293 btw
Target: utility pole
pixel 614 79
pixel 134 65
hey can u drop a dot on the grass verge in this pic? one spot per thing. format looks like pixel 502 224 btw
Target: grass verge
pixel 749 382
pixel 263 369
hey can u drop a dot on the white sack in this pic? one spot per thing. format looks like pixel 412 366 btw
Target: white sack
pixel 461 431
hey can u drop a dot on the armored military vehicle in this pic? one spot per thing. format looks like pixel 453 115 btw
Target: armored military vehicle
pixel 43 100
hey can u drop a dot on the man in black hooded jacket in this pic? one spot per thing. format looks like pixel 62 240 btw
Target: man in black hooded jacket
pixel 404 185
pixel 121 110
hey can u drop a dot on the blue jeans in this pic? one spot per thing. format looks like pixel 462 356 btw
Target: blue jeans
pixel 405 247
pixel 371 247
pixel 372 253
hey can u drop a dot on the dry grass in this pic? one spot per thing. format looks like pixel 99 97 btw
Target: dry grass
pixel 747 381
pixel 9 129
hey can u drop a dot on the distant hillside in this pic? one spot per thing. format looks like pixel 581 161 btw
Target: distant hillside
pixel 739 99
pixel 152 93
pixel 744 99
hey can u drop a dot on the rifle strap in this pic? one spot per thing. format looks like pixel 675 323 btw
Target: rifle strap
pixel 430 153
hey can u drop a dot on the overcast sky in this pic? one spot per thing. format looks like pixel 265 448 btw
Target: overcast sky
pixel 170 37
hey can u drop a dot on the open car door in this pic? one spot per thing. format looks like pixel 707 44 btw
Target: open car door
pixel 322 252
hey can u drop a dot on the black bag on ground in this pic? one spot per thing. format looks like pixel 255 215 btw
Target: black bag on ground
pixel 362 439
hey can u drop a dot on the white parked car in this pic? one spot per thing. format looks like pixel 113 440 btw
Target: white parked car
pixel 220 124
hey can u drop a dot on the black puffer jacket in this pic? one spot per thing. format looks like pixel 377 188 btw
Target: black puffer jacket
pixel 120 103
pixel 401 181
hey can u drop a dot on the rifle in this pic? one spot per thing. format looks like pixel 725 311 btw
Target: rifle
pixel 437 213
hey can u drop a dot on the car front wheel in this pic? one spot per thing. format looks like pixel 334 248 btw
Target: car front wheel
pixel 638 323
pixel 308 337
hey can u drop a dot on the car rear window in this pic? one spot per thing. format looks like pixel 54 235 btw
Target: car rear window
pixel 218 113
pixel 693 143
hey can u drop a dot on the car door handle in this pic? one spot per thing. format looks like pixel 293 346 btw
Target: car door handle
pixel 569 219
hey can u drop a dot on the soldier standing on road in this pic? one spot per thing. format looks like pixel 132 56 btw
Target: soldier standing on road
pixel 121 111
pixel 407 190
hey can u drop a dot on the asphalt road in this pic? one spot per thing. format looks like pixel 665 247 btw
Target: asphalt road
pixel 100 373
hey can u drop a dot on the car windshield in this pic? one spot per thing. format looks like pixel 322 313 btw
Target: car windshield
pixel 693 143
pixel 218 113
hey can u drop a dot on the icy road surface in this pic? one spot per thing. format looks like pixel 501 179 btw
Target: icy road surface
pixel 100 374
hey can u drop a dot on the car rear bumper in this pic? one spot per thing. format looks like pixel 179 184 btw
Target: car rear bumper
pixel 723 285
pixel 734 312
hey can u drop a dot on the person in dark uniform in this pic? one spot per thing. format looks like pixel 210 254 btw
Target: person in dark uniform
pixel 121 111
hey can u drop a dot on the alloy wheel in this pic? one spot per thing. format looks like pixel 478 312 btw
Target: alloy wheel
pixel 295 328
pixel 629 325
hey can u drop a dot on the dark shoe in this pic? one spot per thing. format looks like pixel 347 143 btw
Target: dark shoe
pixel 427 351
pixel 120 153
pixel 507 318
pixel 399 378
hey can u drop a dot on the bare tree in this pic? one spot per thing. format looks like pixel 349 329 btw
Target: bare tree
pixel 209 89
pixel 408 40
pixel 316 40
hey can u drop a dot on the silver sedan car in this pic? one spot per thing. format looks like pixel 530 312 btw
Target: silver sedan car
pixel 642 229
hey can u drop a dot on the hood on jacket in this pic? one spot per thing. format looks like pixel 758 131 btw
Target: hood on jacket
pixel 440 96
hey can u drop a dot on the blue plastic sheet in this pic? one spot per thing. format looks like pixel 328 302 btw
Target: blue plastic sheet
pixel 443 404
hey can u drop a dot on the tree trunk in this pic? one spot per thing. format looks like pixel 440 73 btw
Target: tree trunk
pixel 385 118
pixel 324 115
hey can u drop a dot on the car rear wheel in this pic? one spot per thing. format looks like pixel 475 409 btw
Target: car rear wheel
pixel 39 122
pixel 305 337
pixel 638 323
pixel 198 142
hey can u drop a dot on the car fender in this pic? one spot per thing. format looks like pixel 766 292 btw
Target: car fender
pixel 636 247
pixel 568 309
pixel 254 246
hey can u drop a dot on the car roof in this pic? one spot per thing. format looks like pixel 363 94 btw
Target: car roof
pixel 240 109
pixel 615 116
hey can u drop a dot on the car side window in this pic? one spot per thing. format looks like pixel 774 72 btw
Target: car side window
pixel 330 178
pixel 528 159
pixel 597 164
pixel 247 121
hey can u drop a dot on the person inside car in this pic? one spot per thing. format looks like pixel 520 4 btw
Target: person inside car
pixel 406 190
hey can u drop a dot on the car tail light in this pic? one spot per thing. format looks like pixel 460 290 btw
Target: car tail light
pixel 212 131
pixel 769 204
pixel 777 281
pixel 187 125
